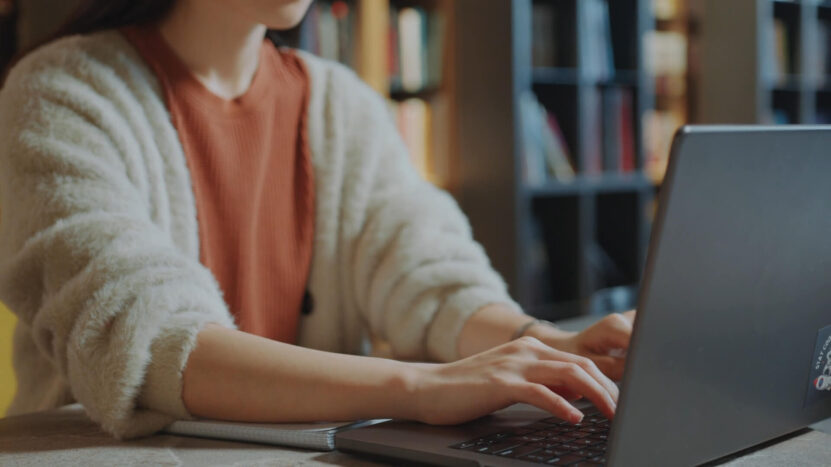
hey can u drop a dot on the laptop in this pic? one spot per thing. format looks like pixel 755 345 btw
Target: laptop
pixel 732 343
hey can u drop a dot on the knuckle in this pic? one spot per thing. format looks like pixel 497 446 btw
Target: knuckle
pixel 528 341
pixel 522 344
pixel 506 363
pixel 586 363
pixel 572 369
pixel 617 320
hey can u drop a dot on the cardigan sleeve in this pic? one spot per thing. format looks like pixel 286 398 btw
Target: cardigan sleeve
pixel 85 261
pixel 417 274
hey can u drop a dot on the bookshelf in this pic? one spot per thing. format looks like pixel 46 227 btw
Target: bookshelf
pixel 399 48
pixel 567 243
pixel 765 61
pixel 536 124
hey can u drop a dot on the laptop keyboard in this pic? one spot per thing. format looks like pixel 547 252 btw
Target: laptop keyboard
pixel 550 441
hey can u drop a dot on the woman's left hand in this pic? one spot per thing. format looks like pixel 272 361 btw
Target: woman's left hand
pixel 605 342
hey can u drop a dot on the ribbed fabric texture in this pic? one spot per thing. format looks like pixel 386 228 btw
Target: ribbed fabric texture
pixel 252 179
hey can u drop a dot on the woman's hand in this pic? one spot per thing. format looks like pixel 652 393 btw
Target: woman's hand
pixel 524 370
pixel 605 342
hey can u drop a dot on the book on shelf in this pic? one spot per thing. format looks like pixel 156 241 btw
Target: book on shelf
pixel 416 40
pixel 619 148
pixel 329 29
pixel 556 150
pixel 666 9
pixel 782 117
pixel 592 162
pixel 597 55
pixel 666 53
pixel 780 63
pixel 545 150
pixel 659 129
pixel 544 40
pixel 414 119
pixel 821 65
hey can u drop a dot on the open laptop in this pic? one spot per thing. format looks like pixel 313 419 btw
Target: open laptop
pixel 732 342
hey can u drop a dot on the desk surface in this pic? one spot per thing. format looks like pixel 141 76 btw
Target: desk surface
pixel 67 437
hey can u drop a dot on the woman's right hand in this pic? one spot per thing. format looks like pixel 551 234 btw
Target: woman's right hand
pixel 524 370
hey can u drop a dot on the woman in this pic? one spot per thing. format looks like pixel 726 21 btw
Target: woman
pixel 175 190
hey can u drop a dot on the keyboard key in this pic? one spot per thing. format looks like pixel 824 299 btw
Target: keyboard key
pixel 484 440
pixel 601 459
pixel 583 442
pixel 591 410
pixel 558 439
pixel 548 447
pixel 557 448
pixel 537 426
pixel 496 447
pixel 466 445
pixel 572 446
pixel 592 429
pixel 578 434
pixel 518 451
pixel 568 459
pixel 541 456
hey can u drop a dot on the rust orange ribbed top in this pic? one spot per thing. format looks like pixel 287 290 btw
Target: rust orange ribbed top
pixel 252 178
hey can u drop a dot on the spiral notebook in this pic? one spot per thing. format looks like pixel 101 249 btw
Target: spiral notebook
pixel 316 436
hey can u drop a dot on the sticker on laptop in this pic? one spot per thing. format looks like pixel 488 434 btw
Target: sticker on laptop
pixel 820 384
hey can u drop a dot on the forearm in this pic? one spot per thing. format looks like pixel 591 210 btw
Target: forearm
pixel 231 375
pixel 495 325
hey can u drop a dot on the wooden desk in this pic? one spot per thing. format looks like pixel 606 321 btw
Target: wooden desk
pixel 67 437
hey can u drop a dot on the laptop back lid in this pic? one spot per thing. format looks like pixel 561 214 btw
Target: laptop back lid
pixel 734 323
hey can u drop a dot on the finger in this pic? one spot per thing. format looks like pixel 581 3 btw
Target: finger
pixel 547 353
pixel 616 331
pixel 576 379
pixel 592 369
pixel 540 396
pixel 566 393
pixel 610 366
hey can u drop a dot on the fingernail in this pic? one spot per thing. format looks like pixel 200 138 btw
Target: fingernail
pixel 576 416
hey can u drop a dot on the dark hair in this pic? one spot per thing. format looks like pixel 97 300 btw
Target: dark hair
pixel 97 15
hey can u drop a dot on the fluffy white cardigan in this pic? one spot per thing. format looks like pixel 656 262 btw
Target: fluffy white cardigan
pixel 99 253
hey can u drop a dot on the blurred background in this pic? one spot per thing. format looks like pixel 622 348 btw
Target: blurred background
pixel 550 121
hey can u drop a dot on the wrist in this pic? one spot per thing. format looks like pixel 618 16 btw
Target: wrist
pixel 552 335
pixel 408 385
